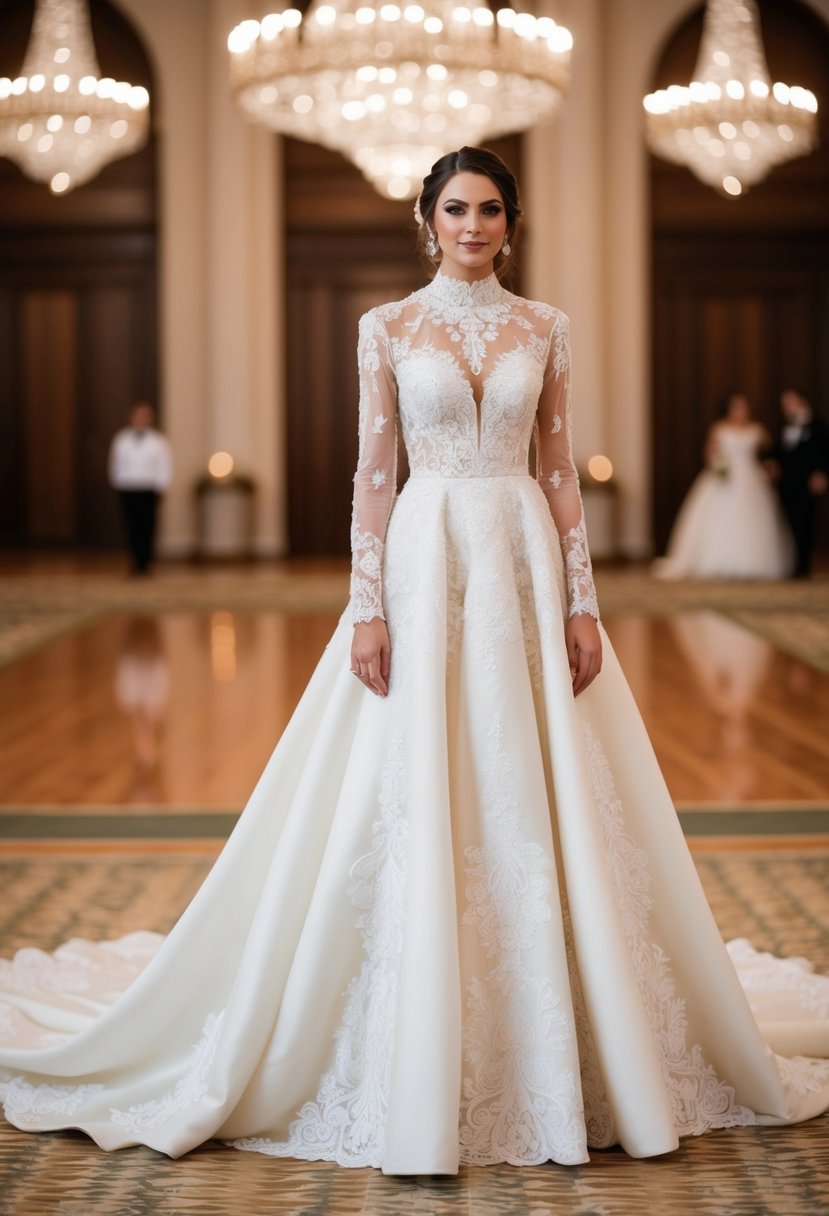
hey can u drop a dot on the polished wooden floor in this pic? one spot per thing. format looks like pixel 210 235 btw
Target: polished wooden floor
pixel 154 708
pixel 182 709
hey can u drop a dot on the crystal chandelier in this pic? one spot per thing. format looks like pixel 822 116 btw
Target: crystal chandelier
pixel 731 125
pixel 59 121
pixel 394 86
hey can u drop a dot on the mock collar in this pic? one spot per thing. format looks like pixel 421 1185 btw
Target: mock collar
pixel 461 294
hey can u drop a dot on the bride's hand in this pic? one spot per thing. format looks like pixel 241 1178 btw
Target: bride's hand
pixel 371 655
pixel 584 650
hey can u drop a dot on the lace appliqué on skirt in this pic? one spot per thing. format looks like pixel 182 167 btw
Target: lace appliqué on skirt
pixel 520 1101
pixel 187 1091
pixel 347 1120
pixel 699 1098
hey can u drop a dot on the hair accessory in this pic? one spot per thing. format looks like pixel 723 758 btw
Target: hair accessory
pixel 432 245
pixel 506 248
pixel 417 212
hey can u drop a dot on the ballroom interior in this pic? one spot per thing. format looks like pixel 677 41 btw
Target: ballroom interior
pixel 219 272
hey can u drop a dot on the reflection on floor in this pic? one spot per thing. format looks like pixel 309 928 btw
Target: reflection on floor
pixel 182 709
pixel 135 720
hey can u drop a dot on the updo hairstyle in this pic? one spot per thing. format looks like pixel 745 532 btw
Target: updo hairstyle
pixel 467 160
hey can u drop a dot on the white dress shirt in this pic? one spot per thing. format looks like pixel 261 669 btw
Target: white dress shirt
pixel 140 459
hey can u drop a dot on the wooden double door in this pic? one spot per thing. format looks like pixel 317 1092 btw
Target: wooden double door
pixel 751 316
pixel 77 346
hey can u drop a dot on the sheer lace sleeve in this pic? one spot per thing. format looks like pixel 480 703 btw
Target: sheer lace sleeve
pixel 556 472
pixel 375 482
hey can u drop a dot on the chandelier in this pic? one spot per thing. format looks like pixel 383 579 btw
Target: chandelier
pixel 731 125
pixel 394 86
pixel 59 120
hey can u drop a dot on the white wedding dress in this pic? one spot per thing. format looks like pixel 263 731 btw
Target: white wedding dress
pixel 458 924
pixel 730 524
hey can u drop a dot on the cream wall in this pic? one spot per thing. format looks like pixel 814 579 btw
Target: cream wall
pixel 220 270
pixel 221 281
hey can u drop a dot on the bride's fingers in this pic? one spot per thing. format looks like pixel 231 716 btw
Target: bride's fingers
pixel 589 663
pixel 375 680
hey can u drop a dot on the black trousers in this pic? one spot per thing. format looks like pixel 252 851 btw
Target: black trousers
pixel 139 509
pixel 799 508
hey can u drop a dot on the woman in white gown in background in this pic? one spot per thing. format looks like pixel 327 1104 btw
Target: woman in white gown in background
pixel 730 524
pixel 457 920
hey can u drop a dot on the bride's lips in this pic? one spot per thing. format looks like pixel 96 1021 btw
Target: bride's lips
pixel 473 244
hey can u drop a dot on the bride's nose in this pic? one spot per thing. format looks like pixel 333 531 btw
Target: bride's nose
pixel 473 224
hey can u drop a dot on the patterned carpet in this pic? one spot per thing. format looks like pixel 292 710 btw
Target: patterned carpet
pixel 781 902
pixel 36 607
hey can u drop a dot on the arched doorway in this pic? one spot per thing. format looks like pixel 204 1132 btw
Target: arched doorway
pixel 78 338
pixel 740 287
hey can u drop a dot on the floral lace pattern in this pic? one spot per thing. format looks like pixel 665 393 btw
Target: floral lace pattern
pixel 27 1104
pixel 415 360
pixel 346 1122
pixel 699 1098
pixel 802 1075
pixel 187 1091
pixel 764 972
pixel 520 1100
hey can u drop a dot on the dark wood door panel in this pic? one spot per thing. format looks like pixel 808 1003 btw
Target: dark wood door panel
pixel 709 342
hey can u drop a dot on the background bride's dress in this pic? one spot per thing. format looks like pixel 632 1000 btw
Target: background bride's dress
pixel 730 524
pixel 460 923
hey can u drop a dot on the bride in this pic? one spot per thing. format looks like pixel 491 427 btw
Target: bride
pixel 730 524
pixel 457 920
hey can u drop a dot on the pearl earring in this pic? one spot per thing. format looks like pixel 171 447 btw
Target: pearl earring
pixel 506 248
pixel 432 244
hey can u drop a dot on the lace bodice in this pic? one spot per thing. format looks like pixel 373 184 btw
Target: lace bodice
pixel 469 372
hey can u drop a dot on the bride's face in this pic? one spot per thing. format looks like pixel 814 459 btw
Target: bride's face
pixel 470 223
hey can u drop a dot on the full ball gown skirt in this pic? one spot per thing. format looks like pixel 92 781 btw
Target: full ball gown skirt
pixel 458 924
pixel 730 524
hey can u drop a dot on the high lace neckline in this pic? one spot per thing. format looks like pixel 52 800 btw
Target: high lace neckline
pixel 462 294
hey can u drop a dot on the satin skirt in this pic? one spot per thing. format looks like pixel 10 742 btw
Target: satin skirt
pixel 458 924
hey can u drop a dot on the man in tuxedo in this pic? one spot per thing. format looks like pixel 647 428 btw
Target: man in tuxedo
pixel 799 464
pixel 140 469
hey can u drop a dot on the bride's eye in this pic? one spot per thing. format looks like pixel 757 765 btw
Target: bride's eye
pixel 493 209
pixel 453 209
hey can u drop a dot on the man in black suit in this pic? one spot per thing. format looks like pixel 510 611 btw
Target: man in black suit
pixel 799 463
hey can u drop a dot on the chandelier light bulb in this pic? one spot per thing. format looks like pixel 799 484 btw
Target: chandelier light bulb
pixel 731 93
pixel 59 121
pixel 394 86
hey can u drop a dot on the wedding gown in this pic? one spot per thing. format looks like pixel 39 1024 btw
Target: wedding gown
pixel 730 524
pixel 459 923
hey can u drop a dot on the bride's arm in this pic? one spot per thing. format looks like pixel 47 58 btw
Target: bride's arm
pixel 557 477
pixel 375 485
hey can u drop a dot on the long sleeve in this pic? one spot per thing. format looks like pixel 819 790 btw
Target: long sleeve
pixel 556 471
pixel 375 482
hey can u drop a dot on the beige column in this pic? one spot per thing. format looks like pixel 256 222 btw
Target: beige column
pixel 244 283
pixel 176 38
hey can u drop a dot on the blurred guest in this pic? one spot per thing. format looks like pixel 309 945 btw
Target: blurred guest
pixel 799 464
pixel 140 469
pixel 730 524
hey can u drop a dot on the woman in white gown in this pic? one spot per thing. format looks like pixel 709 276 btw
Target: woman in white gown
pixel 457 920
pixel 730 524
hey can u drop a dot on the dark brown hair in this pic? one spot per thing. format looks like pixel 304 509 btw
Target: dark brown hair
pixel 469 160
